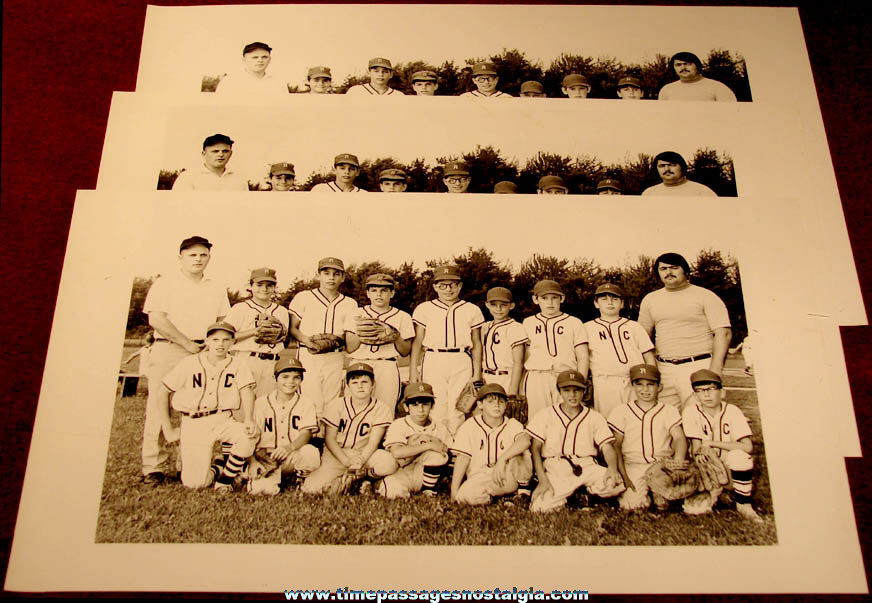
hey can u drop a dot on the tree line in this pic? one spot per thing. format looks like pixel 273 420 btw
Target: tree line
pixel 514 68
pixel 480 271
pixel 487 166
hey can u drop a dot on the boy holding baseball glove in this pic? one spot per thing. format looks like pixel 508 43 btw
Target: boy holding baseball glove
pixel 379 335
pixel 415 445
pixel 651 446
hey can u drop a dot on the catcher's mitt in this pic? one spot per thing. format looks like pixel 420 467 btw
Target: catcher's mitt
pixel 262 464
pixel 375 332
pixel 324 342
pixel 419 438
pixel 672 480
pixel 268 330
pixel 712 472
pixel 466 400
pixel 517 408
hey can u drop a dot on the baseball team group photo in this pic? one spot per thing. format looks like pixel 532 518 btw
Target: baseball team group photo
pixel 466 398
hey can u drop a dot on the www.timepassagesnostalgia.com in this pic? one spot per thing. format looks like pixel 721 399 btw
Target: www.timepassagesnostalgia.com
pixel 437 595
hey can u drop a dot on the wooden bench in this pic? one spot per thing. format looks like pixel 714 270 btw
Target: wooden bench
pixel 129 383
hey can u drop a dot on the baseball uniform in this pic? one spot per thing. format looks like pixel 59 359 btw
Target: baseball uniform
pixel 317 314
pixel 332 187
pixel 483 445
pixel 280 423
pixel 646 440
pixel 242 86
pixel 728 425
pixel 261 357
pixel 447 364
pixel 410 473
pixel 498 341
pixel 191 306
pixel 552 342
pixel 205 394
pixel 568 441
pixel 703 89
pixel 688 188
pixel 477 94
pixel 202 178
pixel 614 348
pixel 383 358
pixel 369 90
pixel 353 427
pixel 684 321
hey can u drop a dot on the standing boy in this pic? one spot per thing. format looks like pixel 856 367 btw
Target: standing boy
pixel 252 82
pixel 575 85
pixel 503 340
pixel 213 175
pixel 615 344
pixel 446 352
pixel 566 439
pixel 346 167
pixel 484 76
pixel 287 422
pixel 318 319
pixel 557 342
pixel 417 446
pixel 355 425
pixel 382 350
pixel 380 73
pixel 646 431
pixel 205 389
pixel 425 82
pixel 492 452
pixel 715 427
pixel 455 177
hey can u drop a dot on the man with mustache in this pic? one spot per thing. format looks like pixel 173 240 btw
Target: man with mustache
pixel 672 169
pixel 691 85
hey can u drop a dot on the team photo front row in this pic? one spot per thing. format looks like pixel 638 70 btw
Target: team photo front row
pixel 336 416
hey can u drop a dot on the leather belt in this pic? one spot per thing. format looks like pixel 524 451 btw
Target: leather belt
pixel 684 360
pixel 490 372
pixel 447 349
pixel 197 415
pixel 375 359
pixel 157 339
pixel 264 355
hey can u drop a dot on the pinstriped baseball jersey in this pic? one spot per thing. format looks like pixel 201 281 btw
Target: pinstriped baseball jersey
pixel 646 432
pixel 332 187
pixel 563 435
pixel 199 386
pixel 616 346
pixel 729 425
pixel 553 341
pixel 403 428
pixel 477 94
pixel 498 339
pixel 281 423
pixel 317 314
pixel 354 426
pixel 448 326
pixel 368 90
pixel 484 444
pixel 395 317
pixel 243 316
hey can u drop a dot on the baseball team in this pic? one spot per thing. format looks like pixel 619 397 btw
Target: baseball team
pixel 253 81
pixel 333 413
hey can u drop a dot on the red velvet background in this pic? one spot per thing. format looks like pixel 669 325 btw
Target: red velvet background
pixel 61 62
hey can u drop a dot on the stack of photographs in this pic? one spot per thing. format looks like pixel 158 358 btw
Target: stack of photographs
pixel 605 214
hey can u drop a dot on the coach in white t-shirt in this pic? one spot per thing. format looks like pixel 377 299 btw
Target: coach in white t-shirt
pixel 691 328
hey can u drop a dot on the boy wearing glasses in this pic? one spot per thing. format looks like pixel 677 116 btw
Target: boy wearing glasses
pixel 484 76
pixel 446 352
pixel 714 427
pixel 456 177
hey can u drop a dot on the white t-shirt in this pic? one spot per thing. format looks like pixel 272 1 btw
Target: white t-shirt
pixel 244 86
pixel 688 188
pixel 192 306
pixel 203 179
pixel 702 89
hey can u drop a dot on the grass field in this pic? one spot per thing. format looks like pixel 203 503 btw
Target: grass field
pixel 132 512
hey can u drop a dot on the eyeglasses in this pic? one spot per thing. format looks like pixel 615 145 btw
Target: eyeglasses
pixel 444 285
pixel 700 390
pixel 458 180
pixel 283 176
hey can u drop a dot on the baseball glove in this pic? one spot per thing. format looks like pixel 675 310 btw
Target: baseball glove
pixel 466 400
pixel 344 484
pixel 712 472
pixel 672 480
pixel 419 438
pixel 268 330
pixel 324 342
pixel 517 408
pixel 375 332
pixel 262 464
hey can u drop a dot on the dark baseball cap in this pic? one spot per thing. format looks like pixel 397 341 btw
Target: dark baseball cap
pixel 287 363
pixel 380 62
pixel 263 274
pixel 331 263
pixel 484 68
pixel 490 388
pixel 645 371
pixel 385 280
pixel 217 139
pixel 446 272
pixel 610 288
pixel 499 294
pixel 319 71
pixel 571 378
pixel 281 168
pixel 532 86
pixel 346 158
pixel 551 181
pixel 575 79
pixel 425 75
pixel 547 286
pixel 608 183
pixel 194 240
pixel 392 174
pixel 255 46
pixel 359 368
pixel 221 326
pixel 456 168
pixel 705 376
pixel 629 81
pixel 506 186
pixel 418 390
